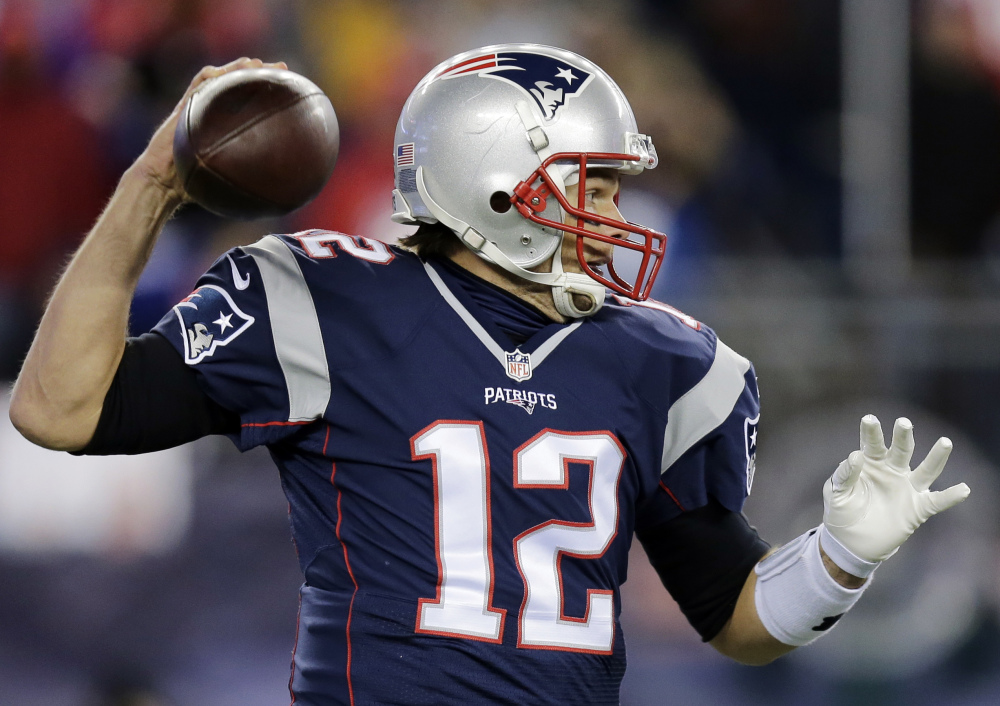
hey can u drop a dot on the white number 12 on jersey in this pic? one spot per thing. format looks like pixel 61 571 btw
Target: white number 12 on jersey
pixel 463 605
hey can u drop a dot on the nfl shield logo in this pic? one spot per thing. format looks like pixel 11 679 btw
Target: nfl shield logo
pixel 518 365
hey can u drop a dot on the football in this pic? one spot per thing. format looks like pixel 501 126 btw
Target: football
pixel 256 142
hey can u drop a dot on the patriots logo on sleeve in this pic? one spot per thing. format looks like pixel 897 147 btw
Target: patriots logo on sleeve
pixel 549 81
pixel 209 318
pixel 750 431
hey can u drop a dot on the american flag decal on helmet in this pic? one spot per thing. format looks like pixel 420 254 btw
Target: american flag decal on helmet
pixel 549 81
pixel 404 155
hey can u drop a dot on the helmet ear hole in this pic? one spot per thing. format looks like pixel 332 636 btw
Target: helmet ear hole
pixel 500 201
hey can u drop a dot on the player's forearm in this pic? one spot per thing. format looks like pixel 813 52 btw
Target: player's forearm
pixel 58 396
pixel 59 393
pixel 745 639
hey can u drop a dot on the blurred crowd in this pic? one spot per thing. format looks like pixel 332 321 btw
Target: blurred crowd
pixel 743 100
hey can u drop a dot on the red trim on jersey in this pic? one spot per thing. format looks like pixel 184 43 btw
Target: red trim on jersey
pixel 347 562
pixel 324 240
pixel 687 320
pixel 564 523
pixel 566 461
pixel 277 424
pixel 298 618
pixel 437 539
pixel 295 544
pixel 672 496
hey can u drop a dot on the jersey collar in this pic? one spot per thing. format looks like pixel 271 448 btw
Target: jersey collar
pixel 518 364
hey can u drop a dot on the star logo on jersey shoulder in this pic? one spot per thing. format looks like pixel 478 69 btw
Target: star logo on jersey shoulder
pixel 209 318
pixel 223 321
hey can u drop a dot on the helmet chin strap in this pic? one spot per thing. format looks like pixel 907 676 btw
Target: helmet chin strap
pixel 564 284
pixel 567 285
pixel 576 285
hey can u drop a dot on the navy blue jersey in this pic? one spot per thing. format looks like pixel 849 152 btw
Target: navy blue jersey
pixel 462 507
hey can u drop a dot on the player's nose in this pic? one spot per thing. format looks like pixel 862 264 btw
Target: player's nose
pixel 611 212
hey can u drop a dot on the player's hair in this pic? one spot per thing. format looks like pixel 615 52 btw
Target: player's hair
pixel 431 240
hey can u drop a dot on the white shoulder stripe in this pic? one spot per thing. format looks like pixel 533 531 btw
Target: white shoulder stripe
pixel 295 327
pixel 542 352
pixel 705 406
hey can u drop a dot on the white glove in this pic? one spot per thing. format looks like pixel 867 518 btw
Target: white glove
pixel 873 502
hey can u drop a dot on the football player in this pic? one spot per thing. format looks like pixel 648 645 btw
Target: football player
pixel 471 429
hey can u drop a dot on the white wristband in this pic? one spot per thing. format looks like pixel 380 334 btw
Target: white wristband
pixel 796 598
pixel 844 557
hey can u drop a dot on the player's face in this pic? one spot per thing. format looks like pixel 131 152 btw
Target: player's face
pixel 601 188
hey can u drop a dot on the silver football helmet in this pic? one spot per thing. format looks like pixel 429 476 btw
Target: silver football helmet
pixel 486 145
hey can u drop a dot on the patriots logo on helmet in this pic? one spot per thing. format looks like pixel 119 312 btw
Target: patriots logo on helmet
pixel 549 81
pixel 209 318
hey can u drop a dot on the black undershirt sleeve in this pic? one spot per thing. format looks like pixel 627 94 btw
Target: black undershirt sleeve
pixel 703 558
pixel 155 403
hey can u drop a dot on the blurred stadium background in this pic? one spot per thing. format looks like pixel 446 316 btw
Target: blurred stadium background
pixel 829 179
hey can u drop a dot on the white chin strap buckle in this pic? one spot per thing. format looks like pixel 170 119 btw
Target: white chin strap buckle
pixel 566 303
pixel 564 296
pixel 568 285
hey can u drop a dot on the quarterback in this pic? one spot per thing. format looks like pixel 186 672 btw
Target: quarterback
pixel 471 428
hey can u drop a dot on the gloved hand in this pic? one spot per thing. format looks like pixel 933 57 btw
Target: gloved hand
pixel 873 502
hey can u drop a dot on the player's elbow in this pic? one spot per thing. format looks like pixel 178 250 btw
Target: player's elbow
pixel 47 426
pixel 750 656
pixel 754 649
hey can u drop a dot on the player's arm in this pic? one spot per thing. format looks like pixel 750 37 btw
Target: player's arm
pixel 706 558
pixel 156 401
pixel 872 504
pixel 744 637
pixel 703 557
pixel 59 393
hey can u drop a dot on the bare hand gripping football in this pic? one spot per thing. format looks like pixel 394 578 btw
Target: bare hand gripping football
pixel 256 141
pixel 873 502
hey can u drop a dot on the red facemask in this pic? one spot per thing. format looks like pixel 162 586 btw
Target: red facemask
pixel 530 200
